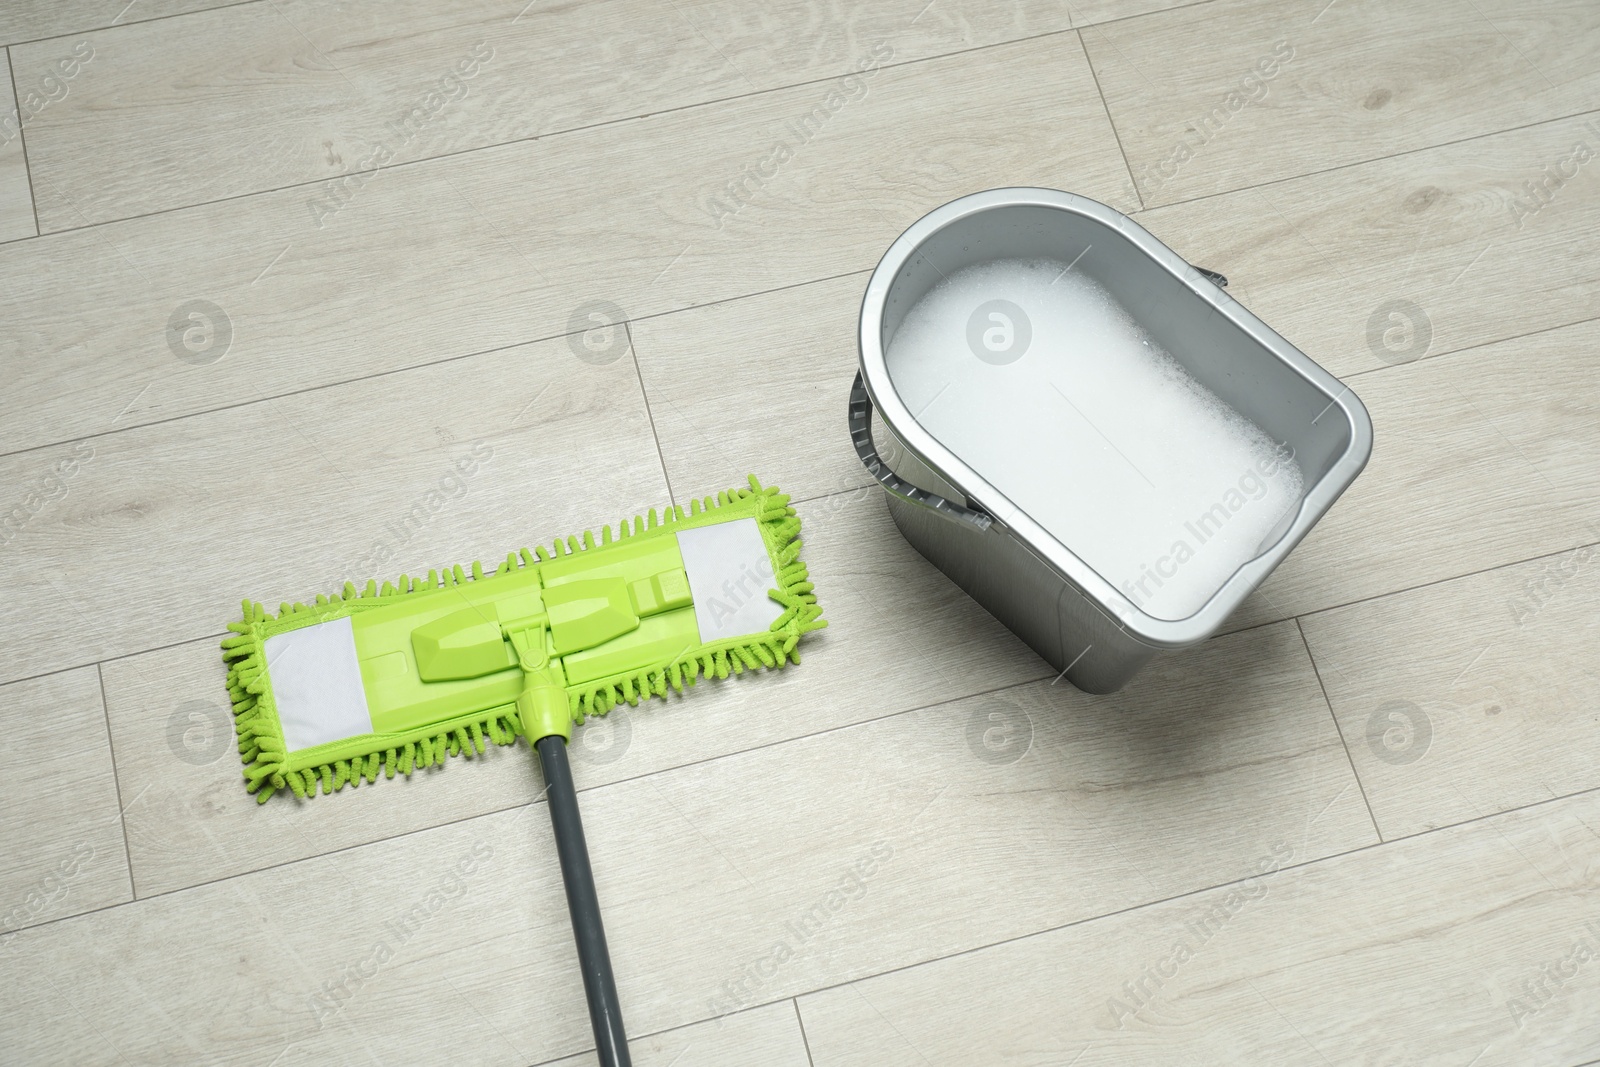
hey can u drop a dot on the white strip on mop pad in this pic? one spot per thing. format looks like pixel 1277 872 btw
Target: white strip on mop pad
pixel 729 575
pixel 316 684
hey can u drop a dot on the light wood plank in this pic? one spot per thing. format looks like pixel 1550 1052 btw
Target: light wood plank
pixel 456 256
pixel 16 201
pixel 802 40
pixel 286 93
pixel 259 96
pixel 766 377
pixel 769 1035
pixel 1449 490
pixel 1458 233
pixel 675 236
pixel 1184 780
pixel 931 797
pixel 1477 695
pixel 346 958
pixel 1454 708
pixel 790 41
pixel 1551 426
pixel 1351 81
pixel 1420 952
pixel 195 823
pixel 29 20
pixel 1087 13
pixel 59 812
pixel 162 530
pixel 417 276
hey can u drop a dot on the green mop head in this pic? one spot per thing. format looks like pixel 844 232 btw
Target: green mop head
pixel 397 678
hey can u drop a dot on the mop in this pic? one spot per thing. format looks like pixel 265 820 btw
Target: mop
pixel 401 677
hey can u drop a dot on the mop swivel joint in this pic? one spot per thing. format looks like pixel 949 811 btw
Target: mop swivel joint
pixel 542 706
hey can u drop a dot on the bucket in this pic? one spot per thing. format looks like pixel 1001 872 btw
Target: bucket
pixel 1107 452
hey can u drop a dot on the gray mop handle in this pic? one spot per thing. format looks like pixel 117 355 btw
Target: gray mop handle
pixel 605 1013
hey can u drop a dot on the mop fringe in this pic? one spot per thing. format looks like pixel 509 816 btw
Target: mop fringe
pixel 269 767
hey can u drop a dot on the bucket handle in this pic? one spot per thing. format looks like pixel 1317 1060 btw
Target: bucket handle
pixel 861 434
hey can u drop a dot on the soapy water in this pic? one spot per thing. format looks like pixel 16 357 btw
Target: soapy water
pixel 1036 377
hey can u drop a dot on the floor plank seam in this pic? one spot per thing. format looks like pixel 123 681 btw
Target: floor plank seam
pixel 116 781
pixel 1328 702
pixel 247 3
pixel 800 85
pixel 219 635
pixel 551 134
pixel 784 741
pixel 575 129
pixel 1164 901
pixel 1449 578
pixel 638 376
pixel 662 314
pixel 1379 159
pixel 801 1022
pixel 1133 182
pixel 1467 348
pixel 440 362
pixel 667 1030
pixel 893 970
pixel 814 734
pixel 22 137
pixel 131 22
pixel 539 799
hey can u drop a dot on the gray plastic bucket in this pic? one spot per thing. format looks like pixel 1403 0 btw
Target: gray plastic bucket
pixel 1080 622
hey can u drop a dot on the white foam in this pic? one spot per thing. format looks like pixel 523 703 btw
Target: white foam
pixel 1094 431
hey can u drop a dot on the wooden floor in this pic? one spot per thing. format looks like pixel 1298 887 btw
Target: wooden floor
pixel 274 274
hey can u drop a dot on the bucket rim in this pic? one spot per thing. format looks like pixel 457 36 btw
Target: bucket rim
pixel 982 495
